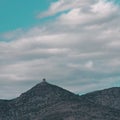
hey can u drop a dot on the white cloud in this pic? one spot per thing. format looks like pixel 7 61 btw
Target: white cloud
pixel 93 14
pixel 104 8
pixel 80 47
pixel 89 65
pixel 63 5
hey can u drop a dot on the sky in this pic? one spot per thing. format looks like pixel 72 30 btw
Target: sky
pixel 74 44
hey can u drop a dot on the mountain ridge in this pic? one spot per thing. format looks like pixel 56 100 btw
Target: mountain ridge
pixel 50 102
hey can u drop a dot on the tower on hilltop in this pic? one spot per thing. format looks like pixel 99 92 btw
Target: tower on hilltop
pixel 44 80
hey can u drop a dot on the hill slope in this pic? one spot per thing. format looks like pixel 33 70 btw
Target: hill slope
pixel 49 102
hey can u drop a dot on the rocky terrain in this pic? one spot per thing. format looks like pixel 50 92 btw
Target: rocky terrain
pixel 49 102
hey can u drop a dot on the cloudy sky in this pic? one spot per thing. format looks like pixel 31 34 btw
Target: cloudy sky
pixel 72 43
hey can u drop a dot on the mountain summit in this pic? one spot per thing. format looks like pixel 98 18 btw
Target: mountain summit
pixel 50 102
pixel 46 93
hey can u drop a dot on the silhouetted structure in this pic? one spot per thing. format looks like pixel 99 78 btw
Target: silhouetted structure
pixel 44 80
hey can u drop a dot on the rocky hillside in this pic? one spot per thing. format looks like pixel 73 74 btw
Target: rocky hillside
pixel 49 102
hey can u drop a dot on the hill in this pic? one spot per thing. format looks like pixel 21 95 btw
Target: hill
pixel 50 102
